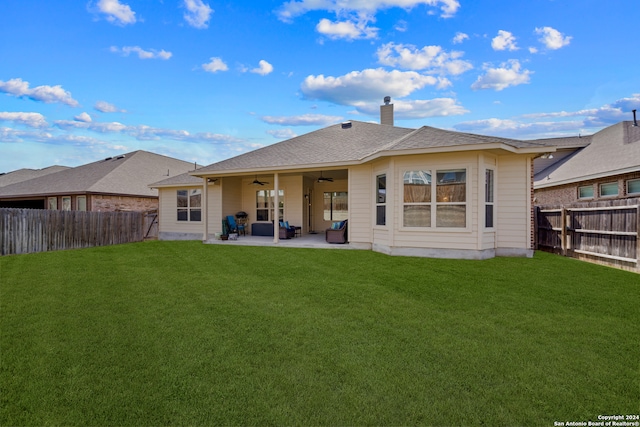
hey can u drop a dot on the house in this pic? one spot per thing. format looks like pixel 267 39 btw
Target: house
pixel 603 166
pixel 418 192
pixel 112 184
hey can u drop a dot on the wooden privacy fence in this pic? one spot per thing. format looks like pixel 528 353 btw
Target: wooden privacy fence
pixel 603 232
pixel 36 230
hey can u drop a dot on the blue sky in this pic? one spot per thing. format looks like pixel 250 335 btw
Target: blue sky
pixel 205 80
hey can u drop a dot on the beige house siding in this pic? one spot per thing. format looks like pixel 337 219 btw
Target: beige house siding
pixel 361 197
pixel 169 226
pixel 513 219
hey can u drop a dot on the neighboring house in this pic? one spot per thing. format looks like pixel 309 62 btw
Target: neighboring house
pixel 25 174
pixel 113 184
pixel 603 166
pixel 423 192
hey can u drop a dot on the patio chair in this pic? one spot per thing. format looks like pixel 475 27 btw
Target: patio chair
pixel 337 233
pixel 286 231
pixel 235 228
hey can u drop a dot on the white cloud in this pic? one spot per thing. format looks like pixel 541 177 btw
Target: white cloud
pixel 608 114
pixel 263 69
pixel 293 8
pixel 504 41
pixel 533 50
pixel 349 30
pixel 116 12
pixel 105 107
pixel 367 85
pixel 460 37
pixel 552 38
pixel 417 109
pixel 303 120
pixel 83 117
pixel 515 129
pixel 33 120
pixel 47 94
pixel 553 124
pixel 282 133
pixel 508 74
pixel 431 58
pixel 198 13
pixel 142 54
pixel 214 65
pixel 401 26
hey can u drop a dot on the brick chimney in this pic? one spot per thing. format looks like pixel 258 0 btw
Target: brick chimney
pixel 386 112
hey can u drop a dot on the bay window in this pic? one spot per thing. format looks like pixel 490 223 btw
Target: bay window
pixel 381 200
pixel 449 194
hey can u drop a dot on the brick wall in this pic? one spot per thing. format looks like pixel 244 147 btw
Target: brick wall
pixel 565 194
pixel 102 203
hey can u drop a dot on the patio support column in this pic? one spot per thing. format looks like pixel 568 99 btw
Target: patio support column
pixel 276 210
pixel 205 211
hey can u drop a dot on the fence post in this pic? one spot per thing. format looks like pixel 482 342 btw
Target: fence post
pixel 563 231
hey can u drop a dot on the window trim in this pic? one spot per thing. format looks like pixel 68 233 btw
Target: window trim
pixel 188 208
pixel 580 197
pixel 490 195
pixel 629 193
pixel 333 195
pixel 78 199
pixel 271 208
pixel 380 205
pixel 66 203
pixel 435 170
pixel 608 195
pixel 52 203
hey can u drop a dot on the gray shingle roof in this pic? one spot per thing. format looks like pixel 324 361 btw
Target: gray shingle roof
pixel 613 150
pixel 332 144
pixel 430 137
pixel 128 174
pixel 337 145
pixel 25 174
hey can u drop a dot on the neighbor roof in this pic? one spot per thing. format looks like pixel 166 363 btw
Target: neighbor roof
pixel 349 143
pixel 612 151
pixel 25 174
pixel 127 174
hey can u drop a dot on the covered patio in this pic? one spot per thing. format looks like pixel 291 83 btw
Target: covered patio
pixel 316 241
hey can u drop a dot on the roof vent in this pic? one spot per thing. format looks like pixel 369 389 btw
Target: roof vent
pixel 387 100
pixel 346 125
pixel 108 158
pixel 635 122
pixel 120 157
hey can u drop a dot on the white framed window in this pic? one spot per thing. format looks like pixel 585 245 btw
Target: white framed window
pixel 451 198
pixel 489 188
pixel 52 203
pixel 381 199
pixel 81 203
pixel 443 205
pixel 189 205
pixel 585 192
pixel 633 186
pixel 336 206
pixel 66 203
pixel 417 199
pixel 265 205
pixel 609 189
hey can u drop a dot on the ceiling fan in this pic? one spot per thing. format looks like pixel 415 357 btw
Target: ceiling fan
pixel 257 182
pixel 324 178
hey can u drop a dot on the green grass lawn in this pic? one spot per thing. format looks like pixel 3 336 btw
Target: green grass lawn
pixel 181 333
